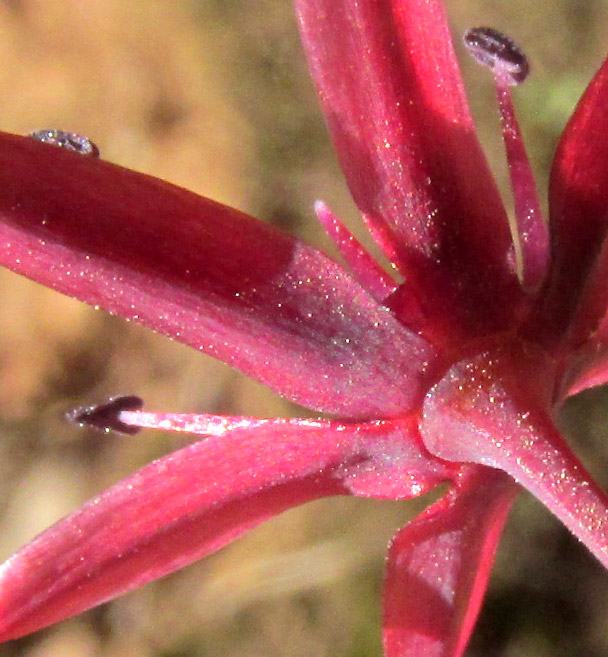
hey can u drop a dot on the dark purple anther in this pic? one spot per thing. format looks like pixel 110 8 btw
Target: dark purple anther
pixel 71 141
pixel 498 52
pixel 106 416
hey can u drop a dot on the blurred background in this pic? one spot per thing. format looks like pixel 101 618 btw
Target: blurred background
pixel 214 95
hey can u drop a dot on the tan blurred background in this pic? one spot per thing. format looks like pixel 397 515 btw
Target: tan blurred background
pixel 213 95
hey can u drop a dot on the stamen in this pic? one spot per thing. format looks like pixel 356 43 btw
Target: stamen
pixel 124 414
pixel 70 141
pixel 107 417
pixel 498 52
pixel 368 272
pixel 510 67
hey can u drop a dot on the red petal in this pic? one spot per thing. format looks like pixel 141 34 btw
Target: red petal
pixel 438 567
pixel 206 275
pixel 588 369
pixel 197 500
pixel 578 197
pixel 393 97
pixel 587 366
pixel 476 413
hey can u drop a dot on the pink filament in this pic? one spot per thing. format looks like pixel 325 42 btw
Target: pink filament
pixel 205 424
pixel 531 228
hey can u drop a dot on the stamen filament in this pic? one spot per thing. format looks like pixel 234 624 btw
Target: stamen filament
pixel 510 67
pixel 198 424
pixel 368 272
pixel 531 227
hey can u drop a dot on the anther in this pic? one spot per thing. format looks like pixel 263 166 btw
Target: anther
pixel 70 141
pixel 107 416
pixel 498 52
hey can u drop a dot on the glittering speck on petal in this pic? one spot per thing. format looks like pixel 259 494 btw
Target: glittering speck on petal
pixel 70 141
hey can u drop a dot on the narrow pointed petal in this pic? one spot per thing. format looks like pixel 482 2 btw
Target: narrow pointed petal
pixel 197 500
pixel 587 365
pixel 475 414
pixel 438 567
pixel 393 98
pixel 367 271
pixel 206 275
pixel 588 369
pixel 578 198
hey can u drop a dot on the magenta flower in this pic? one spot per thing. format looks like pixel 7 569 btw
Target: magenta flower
pixel 452 373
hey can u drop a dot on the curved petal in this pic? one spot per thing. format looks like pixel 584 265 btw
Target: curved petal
pixel 476 413
pixel 393 98
pixel 197 500
pixel 438 567
pixel 588 368
pixel 578 199
pixel 206 275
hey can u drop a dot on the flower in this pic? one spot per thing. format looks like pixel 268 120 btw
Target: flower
pixel 450 375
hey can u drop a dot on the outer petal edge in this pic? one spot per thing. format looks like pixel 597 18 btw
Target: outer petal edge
pixel 439 564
